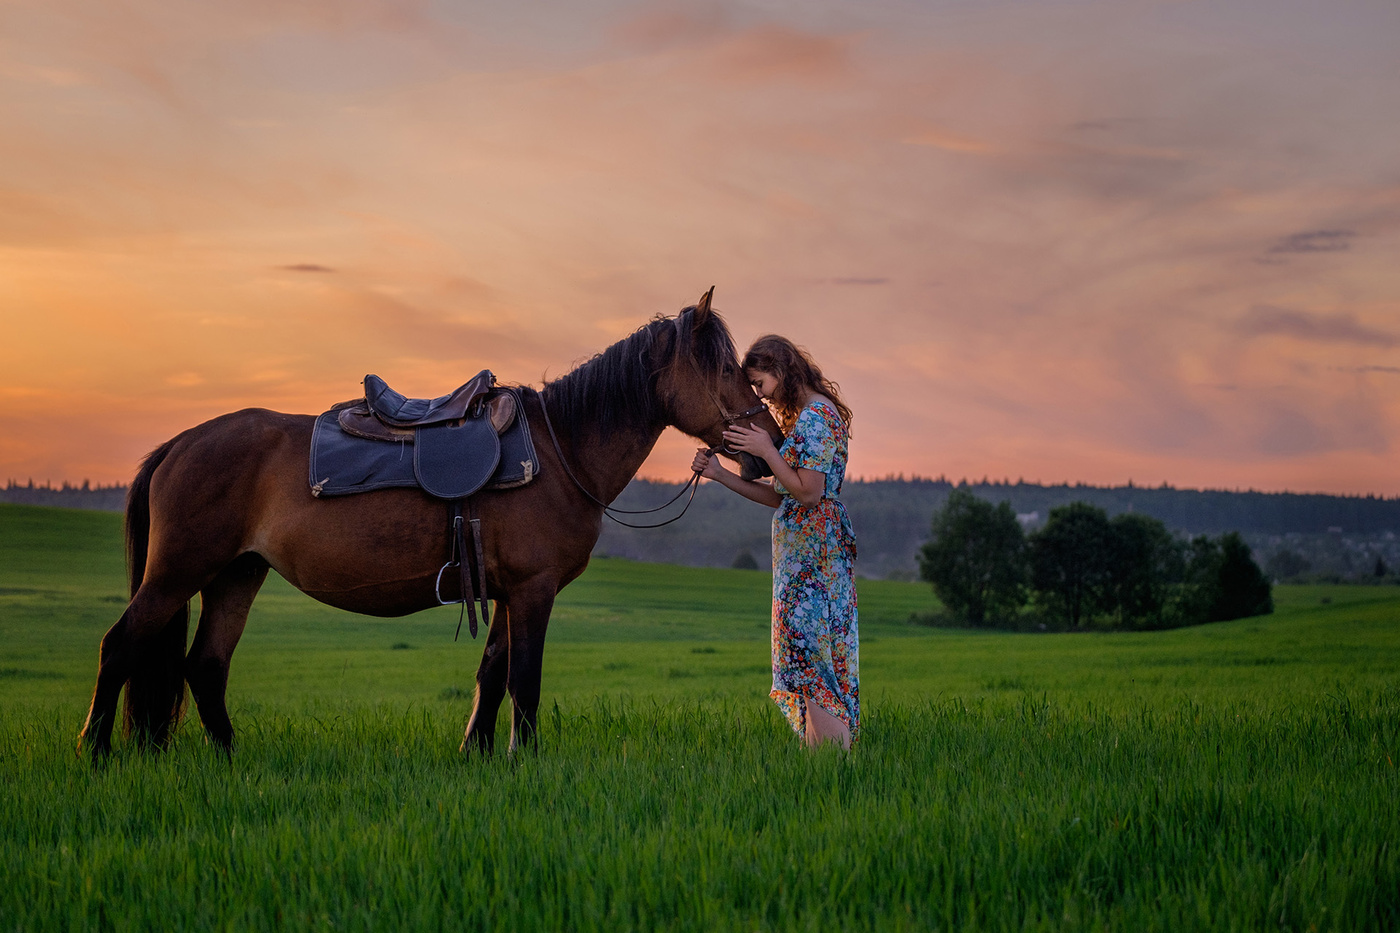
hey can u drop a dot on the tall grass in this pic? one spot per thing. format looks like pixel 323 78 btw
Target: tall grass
pixel 1006 814
pixel 1239 776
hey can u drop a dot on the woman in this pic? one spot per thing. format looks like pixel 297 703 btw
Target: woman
pixel 816 657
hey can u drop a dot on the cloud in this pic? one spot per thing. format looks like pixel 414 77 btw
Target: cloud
pixel 936 138
pixel 306 267
pixel 737 52
pixel 1105 124
pixel 39 74
pixel 859 280
pixel 768 53
pixel 1107 173
pixel 672 26
pixel 1315 241
pixel 1290 433
pixel 1266 320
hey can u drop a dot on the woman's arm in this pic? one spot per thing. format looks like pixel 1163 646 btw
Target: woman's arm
pixel 806 486
pixel 710 467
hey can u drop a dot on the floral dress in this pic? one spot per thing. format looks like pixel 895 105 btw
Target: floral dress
pixel 816 654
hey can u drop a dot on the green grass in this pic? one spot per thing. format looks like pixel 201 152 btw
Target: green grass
pixel 1237 776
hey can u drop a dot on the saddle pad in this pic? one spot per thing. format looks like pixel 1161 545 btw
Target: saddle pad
pixel 343 465
pixel 518 463
pixel 454 461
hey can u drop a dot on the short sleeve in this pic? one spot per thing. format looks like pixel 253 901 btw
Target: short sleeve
pixel 813 442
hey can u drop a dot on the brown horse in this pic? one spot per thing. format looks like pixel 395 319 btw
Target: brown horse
pixel 213 509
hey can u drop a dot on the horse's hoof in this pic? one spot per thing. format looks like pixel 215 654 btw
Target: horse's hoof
pixel 97 754
pixel 475 745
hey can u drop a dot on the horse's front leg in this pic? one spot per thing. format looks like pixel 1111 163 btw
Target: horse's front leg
pixel 527 620
pixel 490 685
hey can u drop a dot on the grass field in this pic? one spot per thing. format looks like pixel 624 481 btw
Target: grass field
pixel 1237 776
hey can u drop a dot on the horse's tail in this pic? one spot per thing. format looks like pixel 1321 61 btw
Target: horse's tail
pixel 155 694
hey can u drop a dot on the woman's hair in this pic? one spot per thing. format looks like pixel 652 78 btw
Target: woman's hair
pixel 797 375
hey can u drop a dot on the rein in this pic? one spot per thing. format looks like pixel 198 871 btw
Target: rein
pixel 691 484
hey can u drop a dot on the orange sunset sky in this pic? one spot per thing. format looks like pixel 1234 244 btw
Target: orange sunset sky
pixel 1085 241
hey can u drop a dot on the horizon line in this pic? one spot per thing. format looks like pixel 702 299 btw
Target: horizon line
pixel 88 486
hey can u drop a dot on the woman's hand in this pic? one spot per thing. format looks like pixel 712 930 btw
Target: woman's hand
pixel 707 464
pixel 711 467
pixel 750 440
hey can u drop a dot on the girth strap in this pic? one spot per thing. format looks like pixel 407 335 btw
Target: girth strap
pixel 461 560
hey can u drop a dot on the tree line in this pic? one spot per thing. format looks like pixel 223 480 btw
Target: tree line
pixel 1082 569
pixel 891 518
pixel 1331 538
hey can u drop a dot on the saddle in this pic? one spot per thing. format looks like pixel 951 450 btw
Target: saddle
pixel 385 415
pixel 471 438
pixel 474 437
pixel 394 409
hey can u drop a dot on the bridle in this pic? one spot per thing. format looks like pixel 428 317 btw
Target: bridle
pixel 691 484
pixel 725 418
pixel 728 420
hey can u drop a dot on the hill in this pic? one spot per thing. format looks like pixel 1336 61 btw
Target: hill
pixel 892 516
pixel 1341 535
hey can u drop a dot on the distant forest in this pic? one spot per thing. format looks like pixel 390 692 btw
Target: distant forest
pixel 892 519
pixel 86 496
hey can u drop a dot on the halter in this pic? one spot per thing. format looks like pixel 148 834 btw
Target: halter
pixel 691 484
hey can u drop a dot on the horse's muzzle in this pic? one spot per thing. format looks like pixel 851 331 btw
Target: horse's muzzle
pixel 750 467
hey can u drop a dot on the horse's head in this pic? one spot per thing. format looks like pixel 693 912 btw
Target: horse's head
pixel 706 389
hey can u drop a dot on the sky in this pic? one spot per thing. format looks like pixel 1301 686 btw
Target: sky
pixel 1059 240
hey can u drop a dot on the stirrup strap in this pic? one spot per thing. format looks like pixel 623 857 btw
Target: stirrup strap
pixel 472 586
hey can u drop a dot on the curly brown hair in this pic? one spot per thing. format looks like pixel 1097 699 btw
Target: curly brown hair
pixel 798 376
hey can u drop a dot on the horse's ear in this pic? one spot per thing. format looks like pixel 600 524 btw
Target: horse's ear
pixel 702 309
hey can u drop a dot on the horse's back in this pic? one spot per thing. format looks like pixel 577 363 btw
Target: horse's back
pixel 239 483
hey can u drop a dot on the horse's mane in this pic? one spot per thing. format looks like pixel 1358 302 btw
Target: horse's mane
pixel 616 390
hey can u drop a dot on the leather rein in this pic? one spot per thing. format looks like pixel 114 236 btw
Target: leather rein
pixel 691 484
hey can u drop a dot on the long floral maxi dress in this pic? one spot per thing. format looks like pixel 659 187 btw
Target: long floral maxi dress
pixel 816 653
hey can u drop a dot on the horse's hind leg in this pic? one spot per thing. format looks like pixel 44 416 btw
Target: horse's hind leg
pixel 490 685
pixel 226 601
pixel 146 640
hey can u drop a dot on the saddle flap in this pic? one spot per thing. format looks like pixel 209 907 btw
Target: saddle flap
pixel 454 461
pixel 360 422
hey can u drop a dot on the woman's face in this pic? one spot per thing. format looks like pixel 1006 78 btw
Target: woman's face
pixel 765 384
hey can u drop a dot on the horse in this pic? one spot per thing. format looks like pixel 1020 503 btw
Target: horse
pixel 213 509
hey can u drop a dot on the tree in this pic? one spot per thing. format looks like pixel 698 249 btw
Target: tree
pixel 976 559
pixel 1145 563
pixel 745 560
pixel 1223 582
pixel 1070 563
pixel 1244 590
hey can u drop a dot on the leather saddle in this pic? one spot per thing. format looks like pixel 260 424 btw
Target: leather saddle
pixel 459 443
pixel 396 410
pixel 473 437
pixel 386 415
